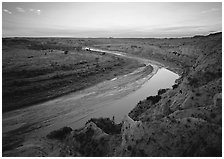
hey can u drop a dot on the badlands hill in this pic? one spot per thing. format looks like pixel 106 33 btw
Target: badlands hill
pixel 183 121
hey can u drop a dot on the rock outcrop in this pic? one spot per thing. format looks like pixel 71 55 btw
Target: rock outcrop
pixel 92 140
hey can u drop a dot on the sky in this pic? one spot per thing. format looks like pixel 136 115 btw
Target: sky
pixel 104 19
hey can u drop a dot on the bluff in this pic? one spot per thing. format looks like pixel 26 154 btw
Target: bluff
pixel 183 121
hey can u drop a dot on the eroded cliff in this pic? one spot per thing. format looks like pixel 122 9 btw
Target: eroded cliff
pixel 183 121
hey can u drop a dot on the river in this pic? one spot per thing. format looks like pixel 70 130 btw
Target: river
pixel 110 98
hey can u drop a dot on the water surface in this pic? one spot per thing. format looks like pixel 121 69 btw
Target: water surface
pixel 116 97
pixel 164 78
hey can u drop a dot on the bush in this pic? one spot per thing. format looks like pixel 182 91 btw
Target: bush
pixel 107 125
pixel 90 147
pixel 193 82
pixel 59 134
pixel 162 91
pixel 129 147
pixel 175 86
pixel 85 137
pixel 134 46
pixel 188 120
pixel 154 99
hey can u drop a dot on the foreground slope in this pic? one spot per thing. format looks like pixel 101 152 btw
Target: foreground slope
pixel 187 121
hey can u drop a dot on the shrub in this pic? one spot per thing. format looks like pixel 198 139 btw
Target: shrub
pixel 107 125
pixel 59 134
pixel 154 99
pixel 193 82
pixel 129 148
pixel 175 86
pixel 85 137
pixel 134 46
pixel 188 120
pixel 89 146
pixel 162 91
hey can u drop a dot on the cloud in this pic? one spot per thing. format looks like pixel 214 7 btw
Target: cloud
pixel 36 11
pixel 7 11
pixel 19 9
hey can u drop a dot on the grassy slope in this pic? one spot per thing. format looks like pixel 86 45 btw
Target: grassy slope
pixel 35 70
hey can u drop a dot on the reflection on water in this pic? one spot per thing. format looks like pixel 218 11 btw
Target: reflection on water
pixel 162 79
pixel 116 97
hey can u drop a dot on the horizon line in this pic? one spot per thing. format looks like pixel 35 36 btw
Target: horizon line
pixel 111 37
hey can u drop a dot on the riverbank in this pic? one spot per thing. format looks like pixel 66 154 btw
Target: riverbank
pixel 185 121
pixel 31 124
